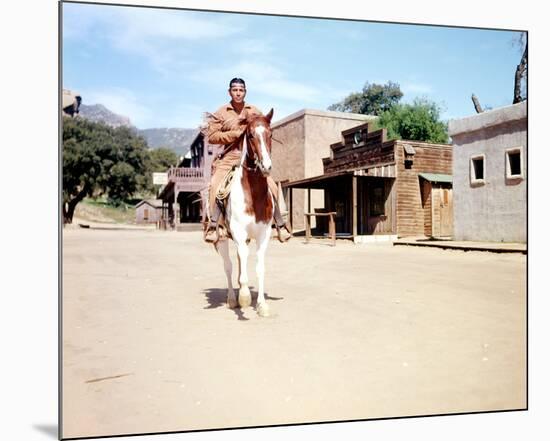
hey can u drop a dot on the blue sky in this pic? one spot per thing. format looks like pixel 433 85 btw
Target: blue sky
pixel 164 68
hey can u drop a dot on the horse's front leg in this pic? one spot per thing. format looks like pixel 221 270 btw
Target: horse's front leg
pixel 223 248
pixel 261 244
pixel 245 299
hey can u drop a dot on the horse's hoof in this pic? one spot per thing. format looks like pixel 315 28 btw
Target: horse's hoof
pixel 232 303
pixel 245 299
pixel 263 310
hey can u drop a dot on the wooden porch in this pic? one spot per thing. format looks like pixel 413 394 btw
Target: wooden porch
pixel 182 194
pixel 362 204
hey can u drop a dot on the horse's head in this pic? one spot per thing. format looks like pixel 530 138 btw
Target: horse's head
pixel 258 136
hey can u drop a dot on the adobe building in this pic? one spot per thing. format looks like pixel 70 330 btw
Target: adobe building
pixel 70 102
pixel 300 142
pixel 380 189
pixel 490 175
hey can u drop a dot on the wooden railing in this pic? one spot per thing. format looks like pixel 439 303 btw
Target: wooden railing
pixel 178 174
pixel 331 225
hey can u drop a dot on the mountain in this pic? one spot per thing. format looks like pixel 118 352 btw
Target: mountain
pixel 177 139
pixel 100 113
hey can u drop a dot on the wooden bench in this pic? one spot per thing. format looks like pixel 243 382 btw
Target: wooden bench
pixel 331 225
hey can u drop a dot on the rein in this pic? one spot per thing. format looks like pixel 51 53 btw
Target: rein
pixel 245 156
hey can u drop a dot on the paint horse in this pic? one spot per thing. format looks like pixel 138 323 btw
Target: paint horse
pixel 249 212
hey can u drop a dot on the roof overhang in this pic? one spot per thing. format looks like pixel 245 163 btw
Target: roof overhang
pixel 316 181
pixel 437 177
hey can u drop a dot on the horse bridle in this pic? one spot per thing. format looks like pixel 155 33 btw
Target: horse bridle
pixel 256 161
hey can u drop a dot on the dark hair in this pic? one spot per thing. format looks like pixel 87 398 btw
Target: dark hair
pixel 237 81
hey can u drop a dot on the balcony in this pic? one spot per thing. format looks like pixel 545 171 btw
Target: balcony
pixel 189 179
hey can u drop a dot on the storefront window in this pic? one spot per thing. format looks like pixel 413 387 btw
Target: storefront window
pixel 376 201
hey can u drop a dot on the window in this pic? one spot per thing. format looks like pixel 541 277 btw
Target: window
pixel 477 170
pixel 514 163
pixel 376 201
pixel 145 214
pixel 409 155
pixel 339 208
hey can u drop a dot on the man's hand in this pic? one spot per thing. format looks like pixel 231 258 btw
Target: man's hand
pixel 232 124
pixel 236 133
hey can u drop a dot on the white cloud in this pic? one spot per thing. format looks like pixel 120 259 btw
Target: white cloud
pixel 146 23
pixel 262 78
pixel 142 23
pixel 121 101
pixel 185 115
pixel 162 37
pixel 169 40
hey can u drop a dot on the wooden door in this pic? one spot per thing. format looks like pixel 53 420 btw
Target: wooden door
pixel 446 211
pixel 340 197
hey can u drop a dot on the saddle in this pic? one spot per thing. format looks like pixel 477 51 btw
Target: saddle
pixel 222 197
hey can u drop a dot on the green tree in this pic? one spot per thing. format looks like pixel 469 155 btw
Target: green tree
pixel 126 176
pixel 162 158
pixel 374 99
pixel 419 121
pixel 98 159
pixel 158 160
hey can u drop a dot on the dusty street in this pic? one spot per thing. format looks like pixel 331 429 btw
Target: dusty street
pixel 355 332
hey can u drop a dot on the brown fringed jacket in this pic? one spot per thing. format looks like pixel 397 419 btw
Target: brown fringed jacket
pixel 223 125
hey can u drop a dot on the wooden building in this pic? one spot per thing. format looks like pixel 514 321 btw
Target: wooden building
pixel 301 141
pixel 383 189
pixel 149 211
pixel 186 182
pixel 437 202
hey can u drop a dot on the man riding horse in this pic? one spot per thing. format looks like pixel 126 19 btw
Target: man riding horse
pixel 224 128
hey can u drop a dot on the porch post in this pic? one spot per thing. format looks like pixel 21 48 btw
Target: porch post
pixel 177 210
pixel 290 209
pixel 332 228
pixel 308 227
pixel 354 204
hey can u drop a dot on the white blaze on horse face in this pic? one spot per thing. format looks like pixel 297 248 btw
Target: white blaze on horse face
pixel 266 159
pixel 245 148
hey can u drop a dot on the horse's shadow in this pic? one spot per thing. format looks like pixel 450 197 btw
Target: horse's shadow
pixel 217 297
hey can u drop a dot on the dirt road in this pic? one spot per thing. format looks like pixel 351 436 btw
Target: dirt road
pixel 355 332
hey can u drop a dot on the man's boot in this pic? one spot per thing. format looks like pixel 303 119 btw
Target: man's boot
pixel 284 232
pixel 214 230
pixel 211 232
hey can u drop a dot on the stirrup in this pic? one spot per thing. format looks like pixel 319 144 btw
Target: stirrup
pixel 211 233
pixel 221 231
pixel 279 235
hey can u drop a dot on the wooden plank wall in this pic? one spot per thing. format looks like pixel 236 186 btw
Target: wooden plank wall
pixel 436 219
pixel 372 151
pixel 369 224
pixel 427 206
pixel 385 225
pixel 154 214
pixel 429 158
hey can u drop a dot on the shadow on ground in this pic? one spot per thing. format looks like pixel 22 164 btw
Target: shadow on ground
pixel 217 297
